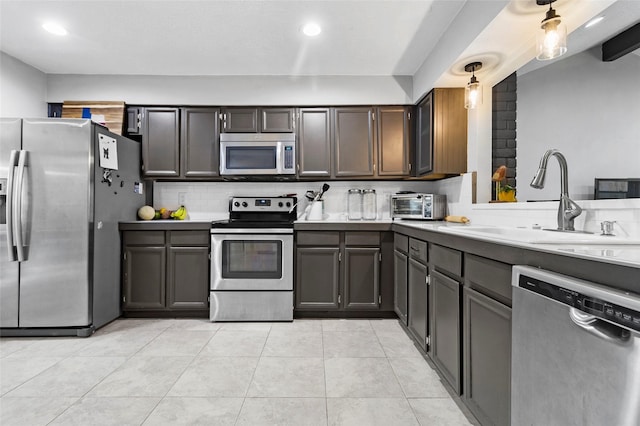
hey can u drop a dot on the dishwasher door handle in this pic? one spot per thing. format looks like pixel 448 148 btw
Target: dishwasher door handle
pixel 600 328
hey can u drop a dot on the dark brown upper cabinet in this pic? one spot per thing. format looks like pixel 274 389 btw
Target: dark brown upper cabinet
pixel 257 120
pixel 393 130
pixel 277 120
pixel 354 136
pixel 180 142
pixel 199 142
pixel 366 142
pixel 161 142
pixel 314 142
pixel 441 134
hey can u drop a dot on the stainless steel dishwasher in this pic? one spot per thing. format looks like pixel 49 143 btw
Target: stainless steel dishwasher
pixel 575 352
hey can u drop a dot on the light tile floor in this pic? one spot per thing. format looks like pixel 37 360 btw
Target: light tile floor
pixel 185 372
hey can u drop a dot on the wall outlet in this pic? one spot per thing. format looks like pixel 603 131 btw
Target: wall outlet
pixel 181 198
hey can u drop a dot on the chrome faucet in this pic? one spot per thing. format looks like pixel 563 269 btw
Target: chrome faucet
pixel 568 210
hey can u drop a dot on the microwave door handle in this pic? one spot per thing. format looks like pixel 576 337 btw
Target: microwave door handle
pixel 280 156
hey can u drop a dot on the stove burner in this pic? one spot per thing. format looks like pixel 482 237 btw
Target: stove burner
pixel 260 212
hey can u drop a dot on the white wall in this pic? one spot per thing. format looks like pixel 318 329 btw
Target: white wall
pixel 23 89
pixel 232 90
pixel 590 111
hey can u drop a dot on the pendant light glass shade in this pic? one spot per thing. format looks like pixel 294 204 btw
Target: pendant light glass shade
pixel 473 91
pixel 551 42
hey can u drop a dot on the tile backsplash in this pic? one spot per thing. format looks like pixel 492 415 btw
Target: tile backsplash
pixel 209 201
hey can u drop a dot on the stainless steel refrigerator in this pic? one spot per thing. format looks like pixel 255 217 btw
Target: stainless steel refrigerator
pixel 64 186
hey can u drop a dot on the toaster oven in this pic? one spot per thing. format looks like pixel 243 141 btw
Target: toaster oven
pixel 418 206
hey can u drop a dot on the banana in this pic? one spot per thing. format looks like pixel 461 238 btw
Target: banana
pixel 180 214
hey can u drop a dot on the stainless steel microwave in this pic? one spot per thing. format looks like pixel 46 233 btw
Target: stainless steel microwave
pixel 257 154
pixel 418 206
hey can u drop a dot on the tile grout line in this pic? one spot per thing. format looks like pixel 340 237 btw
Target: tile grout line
pixel 244 399
pixel 162 398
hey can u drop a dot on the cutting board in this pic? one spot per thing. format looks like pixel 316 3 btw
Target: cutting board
pixel 107 113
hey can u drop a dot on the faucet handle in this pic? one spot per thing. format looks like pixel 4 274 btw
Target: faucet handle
pixel 607 227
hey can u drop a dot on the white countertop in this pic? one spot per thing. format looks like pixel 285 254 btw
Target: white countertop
pixel 625 255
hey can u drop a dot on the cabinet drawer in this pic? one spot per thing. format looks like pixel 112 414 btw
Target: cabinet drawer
pixel 446 260
pixel 189 238
pixel 143 238
pixel 315 238
pixel 489 277
pixel 362 238
pixel 401 243
pixel 418 250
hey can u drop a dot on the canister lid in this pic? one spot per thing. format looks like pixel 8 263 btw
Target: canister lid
pixel 355 191
pixel 369 191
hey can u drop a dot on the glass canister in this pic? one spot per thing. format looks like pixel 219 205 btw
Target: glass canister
pixel 369 204
pixel 354 203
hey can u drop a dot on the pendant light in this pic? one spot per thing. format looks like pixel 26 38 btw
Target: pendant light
pixel 473 91
pixel 551 42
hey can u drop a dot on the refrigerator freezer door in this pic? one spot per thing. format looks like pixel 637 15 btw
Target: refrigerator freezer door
pixel 54 281
pixel 10 136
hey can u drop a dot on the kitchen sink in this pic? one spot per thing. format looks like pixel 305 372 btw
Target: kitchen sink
pixel 538 236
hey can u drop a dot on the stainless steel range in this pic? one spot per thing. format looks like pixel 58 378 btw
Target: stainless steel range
pixel 252 260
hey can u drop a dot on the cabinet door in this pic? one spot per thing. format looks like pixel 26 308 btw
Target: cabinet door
pixel 487 358
pixel 188 278
pixel 277 120
pixel 314 142
pixel 354 134
pixel 418 302
pixel 161 142
pixel 200 142
pixel 449 131
pixel 400 265
pixel 134 120
pixel 445 327
pixel 424 136
pixel 393 141
pixel 144 277
pixel 362 278
pixel 317 278
pixel 240 120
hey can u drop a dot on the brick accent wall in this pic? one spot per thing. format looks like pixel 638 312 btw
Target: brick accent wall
pixel 503 114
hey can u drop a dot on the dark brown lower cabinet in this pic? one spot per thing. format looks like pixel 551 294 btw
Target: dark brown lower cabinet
pixel 362 278
pixel 445 328
pixel 400 285
pixel 418 302
pixel 317 278
pixel 144 277
pixel 338 271
pixel 487 358
pixel 188 269
pixel 165 271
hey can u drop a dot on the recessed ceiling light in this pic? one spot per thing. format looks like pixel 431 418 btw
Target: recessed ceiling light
pixel 54 28
pixel 594 21
pixel 311 29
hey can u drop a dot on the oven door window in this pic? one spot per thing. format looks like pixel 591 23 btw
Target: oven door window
pixel 407 206
pixel 251 157
pixel 252 259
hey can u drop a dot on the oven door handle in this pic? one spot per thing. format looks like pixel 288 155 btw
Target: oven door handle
pixel 252 231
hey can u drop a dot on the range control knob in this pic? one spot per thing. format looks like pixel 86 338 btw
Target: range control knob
pixel 244 204
pixel 280 204
pixel 237 204
pixel 288 203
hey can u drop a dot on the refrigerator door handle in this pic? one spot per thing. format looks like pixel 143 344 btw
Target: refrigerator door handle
pixel 13 160
pixel 17 206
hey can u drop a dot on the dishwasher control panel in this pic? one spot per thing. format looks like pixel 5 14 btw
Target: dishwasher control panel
pixel 606 310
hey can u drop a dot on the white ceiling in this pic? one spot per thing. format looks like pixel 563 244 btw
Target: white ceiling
pixel 225 37
pixel 263 37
